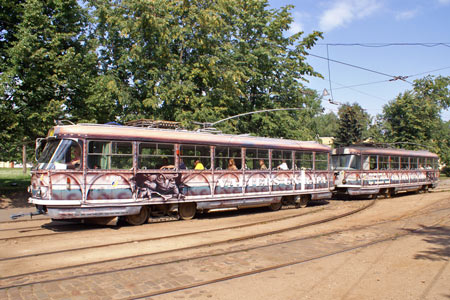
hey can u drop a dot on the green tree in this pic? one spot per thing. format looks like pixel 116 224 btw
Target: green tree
pixel 353 125
pixel 49 65
pixel 443 143
pixel 414 116
pixel 204 61
pixel 410 120
pixel 325 125
pixel 413 119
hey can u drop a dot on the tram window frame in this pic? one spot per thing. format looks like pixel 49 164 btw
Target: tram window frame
pixel 413 163
pixel 304 160
pixel 160 156
pixel 320 162
pixel 404 163
pixel 394 163
pixel 190 153
pixel 223 154
pixel 280 156
pixel 253 156
pixel 111 158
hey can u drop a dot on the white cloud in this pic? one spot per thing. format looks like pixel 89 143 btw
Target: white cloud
pixel 406 15
pixel 343 12
pixel 444 2
pixel 297 25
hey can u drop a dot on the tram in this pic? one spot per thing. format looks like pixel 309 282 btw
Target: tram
pixel 365 170
pixel 107 171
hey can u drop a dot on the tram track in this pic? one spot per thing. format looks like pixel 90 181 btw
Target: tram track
pixel 171 251
pixel 93 227
pixel 282 265
pixel 222 253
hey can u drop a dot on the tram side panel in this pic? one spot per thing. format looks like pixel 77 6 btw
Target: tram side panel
pixel 374 182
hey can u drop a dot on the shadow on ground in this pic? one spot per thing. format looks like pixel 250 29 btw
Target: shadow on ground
pixel 439 239
pixel 14 199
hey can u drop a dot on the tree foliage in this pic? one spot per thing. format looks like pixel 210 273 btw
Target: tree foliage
pixel 325 125
pixel 204 61
pixel 352 125
pixel 413 119
pixel 48 68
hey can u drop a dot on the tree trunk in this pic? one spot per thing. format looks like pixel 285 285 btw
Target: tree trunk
pixel 24 158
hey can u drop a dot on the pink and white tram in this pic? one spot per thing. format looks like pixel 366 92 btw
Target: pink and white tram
pixel 138 172
pixel 362 170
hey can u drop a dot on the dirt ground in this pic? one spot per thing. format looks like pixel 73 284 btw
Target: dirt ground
pixel 412 266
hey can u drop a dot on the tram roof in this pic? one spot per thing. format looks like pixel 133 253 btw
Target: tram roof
pixel 383 151
pixel 122 132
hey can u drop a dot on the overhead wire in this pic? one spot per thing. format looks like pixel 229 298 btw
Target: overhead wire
pixel 374 45
pixel 393 77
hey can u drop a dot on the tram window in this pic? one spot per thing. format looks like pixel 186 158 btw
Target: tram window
pixel 61 155
pixel 366 163
pixel 110 155
pixel 156 156
pixel 395 163
pixel 303 160
pixel 281 159
pixel 435 164
pixel 223 155
pixel 191 153
pixel 413 163
pixel 404 163
pixel 428 163
pixel 256 159
pixel 373 163
pixel 345 161
pixel 383 162
pixel 421 163
pixel 321 161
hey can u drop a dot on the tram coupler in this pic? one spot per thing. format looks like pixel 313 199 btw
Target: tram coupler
pixel 39 211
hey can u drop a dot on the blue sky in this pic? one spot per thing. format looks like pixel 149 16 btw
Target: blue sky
pixel 369 22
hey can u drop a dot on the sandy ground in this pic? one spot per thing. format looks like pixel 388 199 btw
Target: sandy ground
pixel 413 266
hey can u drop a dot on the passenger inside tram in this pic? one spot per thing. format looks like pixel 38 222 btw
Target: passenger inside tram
pixel 262 165
pixel 283 166
pixel 198 165
pixel 232 165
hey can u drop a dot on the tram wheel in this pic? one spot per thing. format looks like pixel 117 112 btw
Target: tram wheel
pixel 187 210
pixel 390 193
pixel 301 201
pixel 140 218
pixel 275 206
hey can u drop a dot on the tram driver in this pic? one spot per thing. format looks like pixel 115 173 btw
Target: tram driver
pixel 75 161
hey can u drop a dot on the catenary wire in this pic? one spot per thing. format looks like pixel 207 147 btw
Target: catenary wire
pixel 393 78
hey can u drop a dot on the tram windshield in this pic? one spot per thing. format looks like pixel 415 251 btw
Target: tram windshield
pixel 60 155
pixel 346 162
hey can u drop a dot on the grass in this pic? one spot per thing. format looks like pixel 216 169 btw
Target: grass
pixel 13 179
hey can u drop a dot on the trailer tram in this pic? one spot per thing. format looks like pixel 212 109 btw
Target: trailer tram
pixel 105 171
pixel 363 170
